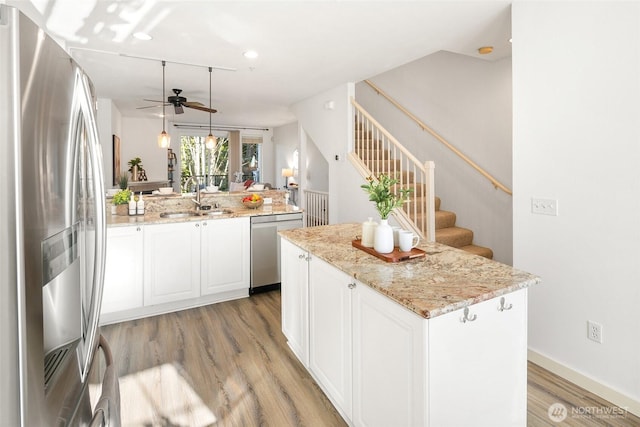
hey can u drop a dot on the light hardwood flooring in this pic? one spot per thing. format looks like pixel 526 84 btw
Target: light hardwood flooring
pixel 228 364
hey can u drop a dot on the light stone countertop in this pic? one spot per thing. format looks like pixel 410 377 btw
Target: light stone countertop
pixel 156 204
pixel 445 280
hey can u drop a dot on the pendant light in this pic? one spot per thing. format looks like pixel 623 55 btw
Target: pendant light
pixel 210 142
pixel 163 138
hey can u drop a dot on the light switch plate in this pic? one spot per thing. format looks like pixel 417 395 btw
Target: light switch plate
pixel 544 206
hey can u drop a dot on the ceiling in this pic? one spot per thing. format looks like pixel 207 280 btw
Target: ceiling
pixel 304 47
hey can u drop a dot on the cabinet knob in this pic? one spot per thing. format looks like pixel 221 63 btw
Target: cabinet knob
pixel 138 229
pixel 301 256
pixel 466 317
pixel 197 225
pixel 351 285
pixel 503 306
pixel 204 224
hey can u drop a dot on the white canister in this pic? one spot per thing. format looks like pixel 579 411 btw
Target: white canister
pixel 368 233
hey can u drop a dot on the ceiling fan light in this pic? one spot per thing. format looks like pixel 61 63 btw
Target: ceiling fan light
pixel 210 141
pixel 164 139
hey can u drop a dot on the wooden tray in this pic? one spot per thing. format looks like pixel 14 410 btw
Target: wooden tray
pixel 395 256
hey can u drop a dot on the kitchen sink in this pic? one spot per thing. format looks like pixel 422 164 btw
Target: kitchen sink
pixel 218 212
pixel 178 214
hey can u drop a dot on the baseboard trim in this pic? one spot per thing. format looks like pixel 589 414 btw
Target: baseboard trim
pixel 607 393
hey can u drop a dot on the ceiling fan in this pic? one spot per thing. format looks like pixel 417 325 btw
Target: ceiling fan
pixel 180 101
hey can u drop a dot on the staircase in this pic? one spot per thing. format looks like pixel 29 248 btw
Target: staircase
pixel 448 234
pixel 377 152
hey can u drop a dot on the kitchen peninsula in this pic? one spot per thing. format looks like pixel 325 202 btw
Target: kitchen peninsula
pixel 176 257
pixel 433 341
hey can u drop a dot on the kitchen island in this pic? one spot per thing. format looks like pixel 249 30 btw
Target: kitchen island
pixel 433 341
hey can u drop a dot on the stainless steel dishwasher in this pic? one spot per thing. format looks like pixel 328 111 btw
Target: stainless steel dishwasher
pixel 265 248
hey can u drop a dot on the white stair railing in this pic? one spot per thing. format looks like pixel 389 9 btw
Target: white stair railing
pixel 377 152
pixel 316 208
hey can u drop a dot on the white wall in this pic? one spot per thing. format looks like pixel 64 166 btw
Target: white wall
pixel 285 140
pixel 140 139
pixel 468 102
pixel 109 124
pixel 331 132
pixel 576 109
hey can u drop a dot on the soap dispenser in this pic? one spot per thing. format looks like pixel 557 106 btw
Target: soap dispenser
pixel 132 205
pixel 140 205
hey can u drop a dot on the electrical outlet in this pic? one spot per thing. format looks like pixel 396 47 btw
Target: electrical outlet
pixel 594 331
pixel 544 206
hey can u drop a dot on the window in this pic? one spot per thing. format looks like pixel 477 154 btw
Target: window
pixel 210 166
pixel 251 159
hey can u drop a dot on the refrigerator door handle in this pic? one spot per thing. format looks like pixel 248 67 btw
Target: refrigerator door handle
pixel 107 412
pixel 84 110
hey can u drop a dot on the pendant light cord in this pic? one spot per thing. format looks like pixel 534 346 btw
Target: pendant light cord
pixel 210 69
pixel 163 101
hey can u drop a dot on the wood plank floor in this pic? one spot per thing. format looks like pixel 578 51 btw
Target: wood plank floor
pixel 228 364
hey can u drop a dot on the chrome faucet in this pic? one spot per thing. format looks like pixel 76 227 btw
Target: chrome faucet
pixel 197 199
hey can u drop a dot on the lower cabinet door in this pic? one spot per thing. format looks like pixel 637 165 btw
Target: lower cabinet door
pixel 330 332
pixel 171 262
pixel 225 255
pixel 123 270
pixel 479 360
pixel 294 296
pixel 389 362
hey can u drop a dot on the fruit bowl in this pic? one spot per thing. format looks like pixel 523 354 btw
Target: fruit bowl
pixel 253 201
pixel 253 204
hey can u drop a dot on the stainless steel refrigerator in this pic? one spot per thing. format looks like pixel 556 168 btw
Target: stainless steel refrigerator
pixel 52 236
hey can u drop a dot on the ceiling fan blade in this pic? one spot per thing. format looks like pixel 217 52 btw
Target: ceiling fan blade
pixel 179 109
pixel 197 107
pixel 152 100
pixel 148 106
pixel 192 104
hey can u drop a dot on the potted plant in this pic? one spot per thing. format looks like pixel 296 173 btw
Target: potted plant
pixel 380 192
pixel 134 167
pixel 121 201
pixel 123 181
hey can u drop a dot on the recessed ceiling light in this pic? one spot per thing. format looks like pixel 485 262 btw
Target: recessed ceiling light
pixel 485 50
pixel 142 36
pixel 250 54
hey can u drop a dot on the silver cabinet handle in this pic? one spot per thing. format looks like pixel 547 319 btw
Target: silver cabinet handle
pixel 301 256
pixel 197 225
pixel 466 317
pixel 503 306
pixel 351 285
pixel 138 229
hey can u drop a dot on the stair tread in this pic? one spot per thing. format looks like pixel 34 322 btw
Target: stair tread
pixel 454 236
pixel 445 219
pixel 478 250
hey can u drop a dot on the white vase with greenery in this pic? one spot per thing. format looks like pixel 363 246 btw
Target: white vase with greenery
pixel 386 201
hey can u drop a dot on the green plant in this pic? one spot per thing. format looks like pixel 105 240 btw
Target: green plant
pixel 380 193
pixel 122 197
pixel 123 181
pixel 135 162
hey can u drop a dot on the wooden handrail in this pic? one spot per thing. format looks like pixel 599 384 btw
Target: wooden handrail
pixel 424 127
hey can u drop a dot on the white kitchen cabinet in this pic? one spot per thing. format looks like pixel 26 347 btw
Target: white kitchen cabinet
pixel 171 262
pixel 389 362
pixel 381 364
pixel 330 332
pixel 123 270
pixel 225 249
pixel 480 364
pixel 294 293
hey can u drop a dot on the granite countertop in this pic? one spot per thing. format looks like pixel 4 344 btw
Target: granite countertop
pixel 446 279
pixel 154 217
